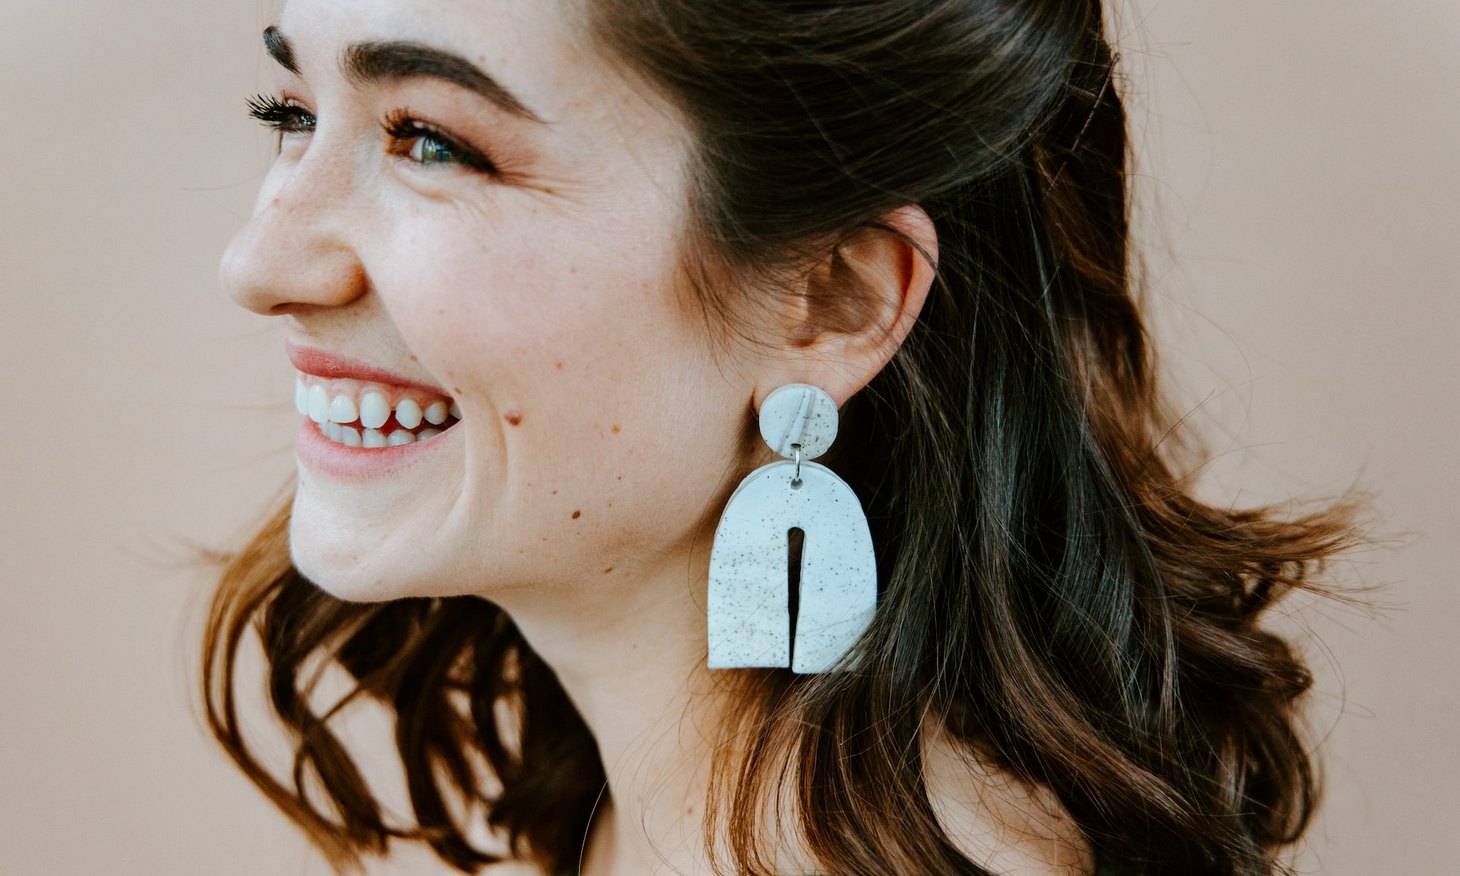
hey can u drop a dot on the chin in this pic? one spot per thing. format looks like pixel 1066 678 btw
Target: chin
pixel 372 542
pixel 349 563
pixel 347 584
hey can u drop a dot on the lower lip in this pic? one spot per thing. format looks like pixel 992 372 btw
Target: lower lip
pixel 319 453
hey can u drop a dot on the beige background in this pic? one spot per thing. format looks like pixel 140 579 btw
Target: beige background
pixel 1302 202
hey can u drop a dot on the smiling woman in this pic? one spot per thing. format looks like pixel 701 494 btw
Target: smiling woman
pixel 543 269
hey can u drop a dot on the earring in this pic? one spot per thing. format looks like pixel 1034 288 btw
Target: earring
pixel 749 604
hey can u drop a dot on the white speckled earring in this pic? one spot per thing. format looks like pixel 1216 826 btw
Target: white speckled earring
pixel 749 596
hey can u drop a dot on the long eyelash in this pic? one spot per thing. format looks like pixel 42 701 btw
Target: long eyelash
pixel 275 113
pixel 400 125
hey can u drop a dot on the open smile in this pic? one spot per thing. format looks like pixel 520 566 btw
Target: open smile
pixel 371 415
pixel 359 420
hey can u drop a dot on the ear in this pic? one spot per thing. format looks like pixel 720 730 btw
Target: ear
pixel 856 308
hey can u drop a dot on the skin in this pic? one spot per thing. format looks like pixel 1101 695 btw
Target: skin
pixel 599 437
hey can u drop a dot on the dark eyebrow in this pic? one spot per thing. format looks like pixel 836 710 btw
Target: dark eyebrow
pixel 279 48
pixel 394 60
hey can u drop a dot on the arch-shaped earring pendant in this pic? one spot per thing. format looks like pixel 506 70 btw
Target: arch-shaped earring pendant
pixel 749 597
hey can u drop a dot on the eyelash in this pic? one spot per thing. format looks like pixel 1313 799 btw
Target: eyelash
pixel 286 118
pixel 400 126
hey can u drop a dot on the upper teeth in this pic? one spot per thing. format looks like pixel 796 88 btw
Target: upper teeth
pixel 374 410
pixel 408 413
pixel 355 411
pixel 342 410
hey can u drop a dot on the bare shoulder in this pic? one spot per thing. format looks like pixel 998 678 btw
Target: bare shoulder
pixel 1002 823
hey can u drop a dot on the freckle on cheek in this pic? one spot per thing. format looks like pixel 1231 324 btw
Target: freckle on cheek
pixel 615 429
pixel 513 418
pixel 609 569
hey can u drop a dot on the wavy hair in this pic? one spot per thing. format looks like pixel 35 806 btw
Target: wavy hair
pixel 1052 595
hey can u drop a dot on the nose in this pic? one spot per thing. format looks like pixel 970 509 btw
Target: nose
pixel 296 253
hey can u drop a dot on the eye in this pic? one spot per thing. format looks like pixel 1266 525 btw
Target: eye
pixel 282 116
pixel 429 146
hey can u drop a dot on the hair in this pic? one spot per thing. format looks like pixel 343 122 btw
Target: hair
pixel 1051 594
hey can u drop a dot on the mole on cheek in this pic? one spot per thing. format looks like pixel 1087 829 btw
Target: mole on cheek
pixel 577 514
pixel 513 418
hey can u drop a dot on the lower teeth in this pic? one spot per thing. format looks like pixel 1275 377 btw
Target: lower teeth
pixel 373 438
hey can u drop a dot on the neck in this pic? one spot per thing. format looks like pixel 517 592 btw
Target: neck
pixel 631 655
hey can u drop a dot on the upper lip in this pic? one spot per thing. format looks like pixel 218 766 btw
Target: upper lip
pixel 330 365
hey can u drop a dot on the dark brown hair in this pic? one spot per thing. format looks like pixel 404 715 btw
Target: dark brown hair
pixel 1051 593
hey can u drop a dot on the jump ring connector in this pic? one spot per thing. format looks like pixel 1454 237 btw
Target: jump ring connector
pixel 796 454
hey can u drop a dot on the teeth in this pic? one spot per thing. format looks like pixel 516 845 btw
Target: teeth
pixel 342 410
pixel 408 413
pixel 374 410
pixel 355 413
pixel 319 404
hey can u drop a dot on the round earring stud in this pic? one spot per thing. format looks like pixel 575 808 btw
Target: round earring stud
pixel 798 415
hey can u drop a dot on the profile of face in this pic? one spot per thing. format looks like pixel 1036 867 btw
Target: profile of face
pixel 473 230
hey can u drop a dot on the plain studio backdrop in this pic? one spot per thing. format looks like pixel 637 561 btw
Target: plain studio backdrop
pixel 1299 208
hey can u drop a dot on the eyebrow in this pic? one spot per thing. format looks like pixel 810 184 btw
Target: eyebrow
pixel 394 60
pixel 280 49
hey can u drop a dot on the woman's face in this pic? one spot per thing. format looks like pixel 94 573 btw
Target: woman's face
pixel 474 211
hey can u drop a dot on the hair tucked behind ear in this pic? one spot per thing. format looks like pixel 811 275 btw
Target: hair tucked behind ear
pixel 1052 597
pixel 1051 594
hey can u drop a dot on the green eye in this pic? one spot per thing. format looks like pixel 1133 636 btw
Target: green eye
pixel 426 145
pixel 426 149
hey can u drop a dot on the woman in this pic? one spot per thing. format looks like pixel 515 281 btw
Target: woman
pixel 544 266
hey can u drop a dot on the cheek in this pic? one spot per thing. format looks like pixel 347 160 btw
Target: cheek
pixel 508 307
pixel 583 369
pixel 514 300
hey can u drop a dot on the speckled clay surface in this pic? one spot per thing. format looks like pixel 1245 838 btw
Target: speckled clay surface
pixel 798 413
pixel 749 618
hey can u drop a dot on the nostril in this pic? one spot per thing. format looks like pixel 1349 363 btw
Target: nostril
pixel 292 261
